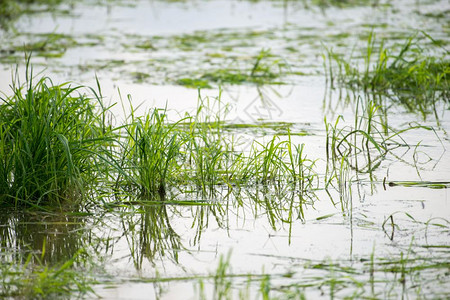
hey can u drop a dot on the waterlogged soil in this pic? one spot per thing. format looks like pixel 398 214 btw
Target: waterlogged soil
pixel 380 234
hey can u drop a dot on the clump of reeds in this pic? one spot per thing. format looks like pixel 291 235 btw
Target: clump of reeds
pixel 50 139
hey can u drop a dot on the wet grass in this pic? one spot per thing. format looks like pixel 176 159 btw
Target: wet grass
pixel 58 146
pixel 264 70
pixel 35 280
pixel 51 140
pixel 154 156
pixel 414 76
pixel 151 152
pixel 371 277
pixel 199 150
pixel 147 176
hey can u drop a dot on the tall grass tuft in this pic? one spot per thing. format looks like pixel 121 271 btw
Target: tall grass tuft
pixel 152 153
pixel 208 150
pixel 51 137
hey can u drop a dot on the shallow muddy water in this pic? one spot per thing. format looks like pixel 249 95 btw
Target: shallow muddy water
pixel 379 234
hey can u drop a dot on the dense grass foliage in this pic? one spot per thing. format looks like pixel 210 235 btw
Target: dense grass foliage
pixel 93 206
pixel 197 151
pixel 56 147
pixel 150 155
pixel 51 136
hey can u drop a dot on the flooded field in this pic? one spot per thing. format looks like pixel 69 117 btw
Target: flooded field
pixel 225 149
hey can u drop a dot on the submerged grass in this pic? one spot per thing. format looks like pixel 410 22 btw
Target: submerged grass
pixel 412 76
pixel 265 69
pixel 397 276
pixel 35 280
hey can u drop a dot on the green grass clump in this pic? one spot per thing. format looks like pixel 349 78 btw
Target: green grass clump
pixel 50 139
pixel 56 147
pixel 410 76
pixel 152 152
pixel 159 155
pixel 279 161
pixel 199 152
pixel 208 151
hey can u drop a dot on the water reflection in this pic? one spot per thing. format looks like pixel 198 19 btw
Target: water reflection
pixel 54 237
pixel 150 235
pixel 158 230
pixel 427 105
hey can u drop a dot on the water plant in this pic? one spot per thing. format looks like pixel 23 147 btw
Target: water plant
pixel 264 68
pixel 200 150
pixel 411 76
pixel 208 149
pixel 51 140
pixel 160 155
pixel 369 137
pixel 35 280
pixel 152 152
pixel 167 195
